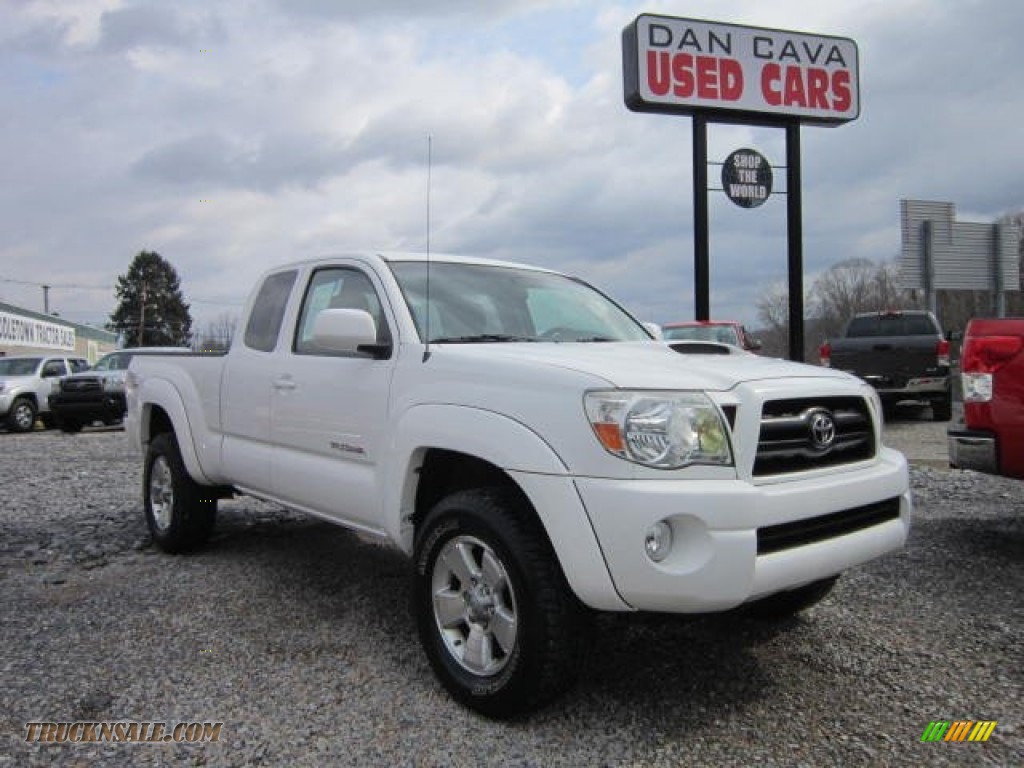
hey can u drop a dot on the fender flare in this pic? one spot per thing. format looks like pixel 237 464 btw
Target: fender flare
pixel 160 393
pixel 531 463
pixel 487 435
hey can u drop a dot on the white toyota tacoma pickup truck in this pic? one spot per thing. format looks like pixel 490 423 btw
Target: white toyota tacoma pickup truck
pixel 530 446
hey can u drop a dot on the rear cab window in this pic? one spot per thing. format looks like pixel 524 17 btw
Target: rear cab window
pixel 892 325
pixel 267 314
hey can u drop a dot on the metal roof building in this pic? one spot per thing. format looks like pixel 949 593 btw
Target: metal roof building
pixel 24 332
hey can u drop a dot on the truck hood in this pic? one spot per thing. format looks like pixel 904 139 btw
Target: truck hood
pixel 17 381
pixel 643 364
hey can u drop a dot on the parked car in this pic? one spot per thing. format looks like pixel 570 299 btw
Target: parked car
pixel 903 354
pixel 98 393
pixel 991 437
pixel 532 448
pixel 25 385
pixel 721 331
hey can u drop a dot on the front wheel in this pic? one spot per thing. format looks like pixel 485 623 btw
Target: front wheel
pixel 22 416
pixel 496 618
pixel 180 513
pixel 71 426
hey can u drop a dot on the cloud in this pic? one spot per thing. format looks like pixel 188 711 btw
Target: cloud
pixel 212 162
pixel 136 26
pixel 305 125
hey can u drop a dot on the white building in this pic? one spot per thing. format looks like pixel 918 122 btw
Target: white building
pixel 24 332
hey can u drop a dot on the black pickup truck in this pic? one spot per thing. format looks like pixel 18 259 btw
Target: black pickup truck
pixel 902 354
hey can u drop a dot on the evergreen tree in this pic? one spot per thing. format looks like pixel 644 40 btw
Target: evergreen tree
pixel 151 311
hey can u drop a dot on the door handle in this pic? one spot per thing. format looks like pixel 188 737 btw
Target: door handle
pixel 284 383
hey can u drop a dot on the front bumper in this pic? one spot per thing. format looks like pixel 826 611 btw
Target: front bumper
pixel 719 558
pixel 86 407
pixel 973 449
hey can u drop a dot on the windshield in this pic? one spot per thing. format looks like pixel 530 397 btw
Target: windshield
pixel 19 366
pixel 725 334
pixel 116 361
pixel 484 303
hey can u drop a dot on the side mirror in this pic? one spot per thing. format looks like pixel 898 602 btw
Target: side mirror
pixel 346 330
pixel 655 330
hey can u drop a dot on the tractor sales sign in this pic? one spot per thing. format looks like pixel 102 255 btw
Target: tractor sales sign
pixel 683 66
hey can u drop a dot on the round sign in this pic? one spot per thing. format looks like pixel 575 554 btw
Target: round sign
pixel 747 178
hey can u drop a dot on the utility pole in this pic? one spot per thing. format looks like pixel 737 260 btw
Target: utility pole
pixel 142 314
pixel 46 299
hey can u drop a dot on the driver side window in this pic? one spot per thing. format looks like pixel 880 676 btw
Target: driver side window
pixel 338 288
pixel 53 368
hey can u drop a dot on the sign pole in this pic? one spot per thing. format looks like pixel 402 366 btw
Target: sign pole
pixel 794 236
pixel 755 76
pixel 701 238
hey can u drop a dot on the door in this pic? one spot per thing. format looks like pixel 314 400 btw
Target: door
pixel 329 411
pixel 247 385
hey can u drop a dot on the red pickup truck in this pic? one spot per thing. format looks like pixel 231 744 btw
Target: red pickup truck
pixel 991 437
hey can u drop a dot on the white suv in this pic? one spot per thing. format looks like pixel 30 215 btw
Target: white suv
pixel 25 385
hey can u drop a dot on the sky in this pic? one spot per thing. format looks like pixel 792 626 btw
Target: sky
pixel 231 137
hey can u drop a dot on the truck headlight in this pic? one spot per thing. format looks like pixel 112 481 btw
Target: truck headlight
pixel 113 384
pixel 665 430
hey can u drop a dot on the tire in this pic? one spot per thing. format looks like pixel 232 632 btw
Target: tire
pixel 48 419
pixel 784 605
pixel 942 410
pixel 22 416
pixel 180 513
pixel 495 616
pixel 888 410
pixel 70 426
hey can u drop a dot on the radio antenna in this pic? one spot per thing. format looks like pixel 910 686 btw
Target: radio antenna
pixel 426 348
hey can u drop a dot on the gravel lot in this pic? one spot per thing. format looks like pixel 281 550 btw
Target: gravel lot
pixel 296 635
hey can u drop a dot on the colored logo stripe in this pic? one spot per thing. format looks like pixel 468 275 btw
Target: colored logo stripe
pixel 935 731
pixel 959 730
pixel 982 730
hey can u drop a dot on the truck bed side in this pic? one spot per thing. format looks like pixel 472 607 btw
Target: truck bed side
pixel 187 389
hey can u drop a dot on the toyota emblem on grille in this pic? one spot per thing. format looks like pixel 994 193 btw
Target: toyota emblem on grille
pixel 823 429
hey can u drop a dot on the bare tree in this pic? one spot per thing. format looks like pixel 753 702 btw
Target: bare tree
pixel 841 291
pixel 218 333
pixel 773 314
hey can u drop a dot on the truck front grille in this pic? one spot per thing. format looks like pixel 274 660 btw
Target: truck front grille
pixel 81 385
pixel 802 434
pixel 775 538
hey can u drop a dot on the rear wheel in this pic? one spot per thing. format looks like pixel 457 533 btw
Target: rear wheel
pixel 942 410
pixel 783 605
pixel 496 618
pixel 180 512
pixel 22 416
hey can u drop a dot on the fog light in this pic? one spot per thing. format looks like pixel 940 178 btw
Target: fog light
pixel 658 541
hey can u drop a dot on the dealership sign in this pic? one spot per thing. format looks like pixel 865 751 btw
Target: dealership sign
pixel 19 331
pixel 686 66
pixel 747 178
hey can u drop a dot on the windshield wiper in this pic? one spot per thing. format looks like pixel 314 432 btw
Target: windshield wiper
pixel 481 338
